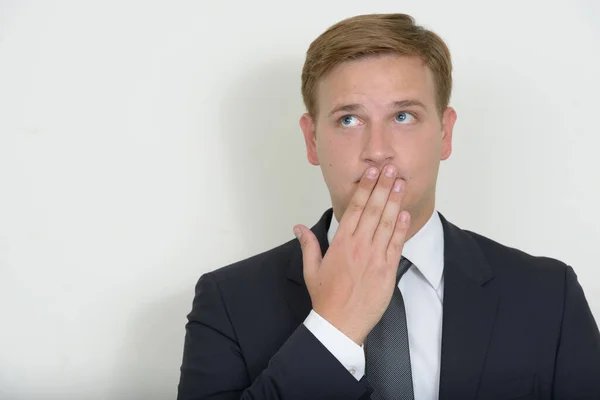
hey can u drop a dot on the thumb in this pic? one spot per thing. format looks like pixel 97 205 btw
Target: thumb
pixel 311 251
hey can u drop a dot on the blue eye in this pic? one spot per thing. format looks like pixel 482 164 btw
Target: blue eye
pixel 348 120
pixel 404 117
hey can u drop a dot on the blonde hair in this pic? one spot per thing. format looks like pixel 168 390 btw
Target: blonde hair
pixel 373 35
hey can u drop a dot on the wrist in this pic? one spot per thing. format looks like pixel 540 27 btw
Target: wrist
pixel 342 324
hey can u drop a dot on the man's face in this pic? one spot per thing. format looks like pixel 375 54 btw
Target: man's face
pixel 378 111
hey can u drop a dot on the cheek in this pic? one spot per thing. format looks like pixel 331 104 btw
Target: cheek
pixel 423 162
pixel 336 153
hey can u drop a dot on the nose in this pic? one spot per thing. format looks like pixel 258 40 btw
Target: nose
pixel 377 149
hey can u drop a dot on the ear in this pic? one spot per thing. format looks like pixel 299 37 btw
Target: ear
pixel 448 120
pixel 308 127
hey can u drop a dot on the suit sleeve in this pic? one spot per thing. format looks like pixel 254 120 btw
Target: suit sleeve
pixel 348 353
pixel 577 371
pixel 213 366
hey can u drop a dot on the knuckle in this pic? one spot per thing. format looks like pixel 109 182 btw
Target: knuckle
pixel 376 261
pixel 355 206
pixel 397 246
pixel 379 262
pixel 387 224
pixel 379 269
pixel 365 184
pixel 386 183
pixel 400 227
pixel 361 250
pixel 396 196
pixel 371 210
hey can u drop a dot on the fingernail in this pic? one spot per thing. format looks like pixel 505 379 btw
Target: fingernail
pixel 404 217
pixel 298 233
pixel 389 171
pixel 372 172
pixel 397 185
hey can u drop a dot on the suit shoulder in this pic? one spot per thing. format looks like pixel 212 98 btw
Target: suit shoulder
pixel 512 260
pixel 259 267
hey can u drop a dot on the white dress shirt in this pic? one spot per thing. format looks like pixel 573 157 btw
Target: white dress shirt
pixel 422 288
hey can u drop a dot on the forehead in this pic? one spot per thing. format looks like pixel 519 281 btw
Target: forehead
pixel 377 79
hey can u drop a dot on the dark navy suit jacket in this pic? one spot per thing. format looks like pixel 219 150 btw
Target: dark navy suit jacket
pixel 514 327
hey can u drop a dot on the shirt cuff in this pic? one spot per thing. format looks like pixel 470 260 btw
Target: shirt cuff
pixel 347 352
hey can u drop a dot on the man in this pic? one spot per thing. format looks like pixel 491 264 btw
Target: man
pixel 384 298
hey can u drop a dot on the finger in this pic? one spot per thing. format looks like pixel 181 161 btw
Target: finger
pixel 353 212
pixel 373 210
pixel 394 250
pixel 387 224
pixel 311 252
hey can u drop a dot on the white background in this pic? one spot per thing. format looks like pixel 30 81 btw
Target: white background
pixel 144 143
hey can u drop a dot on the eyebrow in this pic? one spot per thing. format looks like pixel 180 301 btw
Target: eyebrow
pixel 396 104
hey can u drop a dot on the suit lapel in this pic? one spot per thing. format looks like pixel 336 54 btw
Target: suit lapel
pixel 468 316
pixel 296 291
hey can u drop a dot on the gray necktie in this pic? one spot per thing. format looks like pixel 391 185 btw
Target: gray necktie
pixel 387 353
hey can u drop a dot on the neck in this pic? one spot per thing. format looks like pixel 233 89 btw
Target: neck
pixel 418 219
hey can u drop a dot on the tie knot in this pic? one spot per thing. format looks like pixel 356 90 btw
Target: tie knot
pixel 405 264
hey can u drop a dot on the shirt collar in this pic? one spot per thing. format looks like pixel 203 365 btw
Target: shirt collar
pixel 425 249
